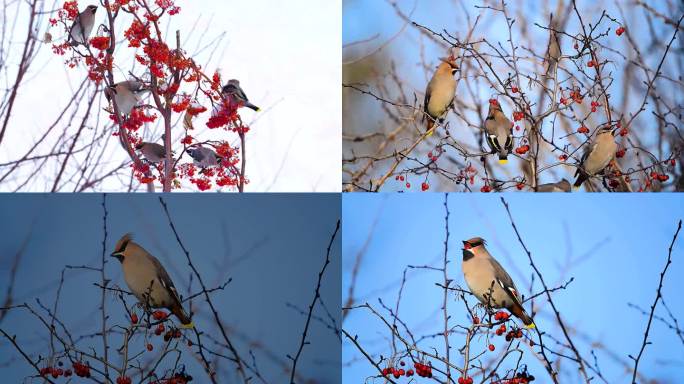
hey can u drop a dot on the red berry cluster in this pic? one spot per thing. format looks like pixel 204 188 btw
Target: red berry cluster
pixel 523 149
pixel 518 116
pixel 159 315
pixel 501 315
pixel 465 380
pixel 54 372
pixel 81 370
pixel 514 334
pixel 423 370
pixel 398 372
pixel 123 380
pixel 519 378
pixel 178 378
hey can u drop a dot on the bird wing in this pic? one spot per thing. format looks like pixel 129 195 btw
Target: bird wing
pixel 164 279
pixel 505 282
pixel 77 22
pixel 426 101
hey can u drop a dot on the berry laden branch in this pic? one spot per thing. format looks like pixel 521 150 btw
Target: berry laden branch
pixel 177 87
pixel 494 87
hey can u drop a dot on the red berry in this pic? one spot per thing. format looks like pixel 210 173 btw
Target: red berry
pixel 461 380
pixel 486 188
pixel 149 347
pixel 67 373
pixel 409 373
pixel 402 372
pixel 672 162
pixel 385 371
pixel 134 318
pixel 491 347
pixel 663 177
pixel 583 129
pixel 408 185
pixel 476 320
pixel 514 89
pixel 620 31
pixel 425 186
pixel 590 63
pixel 620 153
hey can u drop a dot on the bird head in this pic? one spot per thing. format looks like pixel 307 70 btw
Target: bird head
pixel 471 245
pixel 139 146
pixel 448 64
pixel 124 247
pixel 191 152
pixel 92 8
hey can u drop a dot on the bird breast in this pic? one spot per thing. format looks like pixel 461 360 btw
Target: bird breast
pixel 441 94
pixel 140 281
pixel 602 154
pixel 479 275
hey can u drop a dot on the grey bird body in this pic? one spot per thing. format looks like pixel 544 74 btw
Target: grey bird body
pixel 561 186
pixel 236 95
pixel 126 94
pixel 204 157
pixel 83 25
pixel 153 152
pixel 489 282
pixel 599 154
pixel 440 92
pixel 147 279
pixel 499 132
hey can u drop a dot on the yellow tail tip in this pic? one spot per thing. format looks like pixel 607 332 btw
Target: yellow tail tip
pixel 190 325
pixel 530 326
pixel 575 188
pixel 258 109
pixel 503 161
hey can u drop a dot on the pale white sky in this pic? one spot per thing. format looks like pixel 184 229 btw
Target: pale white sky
pixel 287 57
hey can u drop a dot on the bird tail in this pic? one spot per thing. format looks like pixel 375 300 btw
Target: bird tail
pixel 581 178
pixel 182 316
pixel 520 313
pixel 252 106
pixel 503 158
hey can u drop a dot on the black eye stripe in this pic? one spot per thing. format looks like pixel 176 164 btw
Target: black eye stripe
pixel 123 246
pixel 476 244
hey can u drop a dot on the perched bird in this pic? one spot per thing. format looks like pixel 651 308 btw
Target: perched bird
pixel 153 152
pixel 148 280
pixel 204 157
pixel 498 131
pixel 236 95
pixel 597 157
pixel 561 186
pixel 82 26
pixel 489 282
pixel 439 95
pixel 126 94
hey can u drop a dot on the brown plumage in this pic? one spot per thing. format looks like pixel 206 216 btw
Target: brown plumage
pixel 439 94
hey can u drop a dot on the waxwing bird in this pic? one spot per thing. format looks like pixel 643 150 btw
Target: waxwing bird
pixel 126 95
pixel 561 186
pixel 148 280
pixel 204 157
pixel 439 94
pixel 236 95
pixel 489 282
pixel 153 152
pixel 498 131
pixel 597 157
pixel 82 26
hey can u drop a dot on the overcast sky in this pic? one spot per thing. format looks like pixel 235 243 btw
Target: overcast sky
pixel 614 246
pixel 285 54
pixel 272 246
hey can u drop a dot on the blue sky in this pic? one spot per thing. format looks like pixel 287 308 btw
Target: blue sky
pixel 613 245
pixel 272 246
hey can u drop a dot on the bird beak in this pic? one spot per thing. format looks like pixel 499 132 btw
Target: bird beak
pixel 466 246
pixel 118 255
